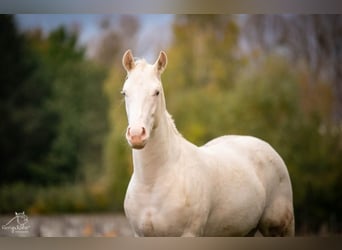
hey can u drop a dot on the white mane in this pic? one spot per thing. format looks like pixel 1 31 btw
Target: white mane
pixel 172 124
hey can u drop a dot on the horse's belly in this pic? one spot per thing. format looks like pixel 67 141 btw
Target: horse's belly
pixel 237 215
pixel 238 223
pixel 239 199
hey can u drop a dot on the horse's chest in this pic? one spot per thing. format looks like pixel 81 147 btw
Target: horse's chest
pixel 147 223
pixel 152 223
pixel 157 216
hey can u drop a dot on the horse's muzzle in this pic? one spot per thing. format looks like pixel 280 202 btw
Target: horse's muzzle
pixel 136 137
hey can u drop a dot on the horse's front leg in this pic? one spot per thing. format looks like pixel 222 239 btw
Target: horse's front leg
pixel 196 228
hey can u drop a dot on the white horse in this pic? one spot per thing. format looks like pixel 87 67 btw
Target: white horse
pixel 231 186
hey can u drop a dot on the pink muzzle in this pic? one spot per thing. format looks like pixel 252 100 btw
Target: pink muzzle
pixel 136 136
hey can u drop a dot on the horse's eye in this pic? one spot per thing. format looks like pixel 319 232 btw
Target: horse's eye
pixel 122 92
pixel 156 93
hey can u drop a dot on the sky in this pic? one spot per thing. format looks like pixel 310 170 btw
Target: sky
pixel 155 30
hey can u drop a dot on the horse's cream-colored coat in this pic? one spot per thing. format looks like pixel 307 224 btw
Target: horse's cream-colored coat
pixel 232 186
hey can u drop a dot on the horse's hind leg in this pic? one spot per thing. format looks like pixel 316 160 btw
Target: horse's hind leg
pixel 283 229
pixel 252 232
pixel 278 220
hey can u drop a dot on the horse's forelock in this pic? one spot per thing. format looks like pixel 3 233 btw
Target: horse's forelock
pixel 140 62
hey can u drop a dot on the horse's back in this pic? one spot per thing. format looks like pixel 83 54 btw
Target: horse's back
pixel 256 154
pixel 259 157
pixel 239 141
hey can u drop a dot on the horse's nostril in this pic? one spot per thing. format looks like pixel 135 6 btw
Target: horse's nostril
pixel 136 131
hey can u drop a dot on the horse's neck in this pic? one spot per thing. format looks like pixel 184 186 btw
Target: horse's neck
pixel 162 147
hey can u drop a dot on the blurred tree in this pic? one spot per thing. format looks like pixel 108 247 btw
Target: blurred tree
pixel 314 39
pixel 205 44
pixel 52 107
pixel 63 46
pixel 26 129
pixel 203 65
pixel 115 39
pixel 78 102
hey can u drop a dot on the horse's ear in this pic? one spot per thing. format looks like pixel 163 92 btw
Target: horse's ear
pixel 161 62
pixel 128 61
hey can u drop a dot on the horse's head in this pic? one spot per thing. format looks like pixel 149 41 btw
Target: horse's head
pixel 144 97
